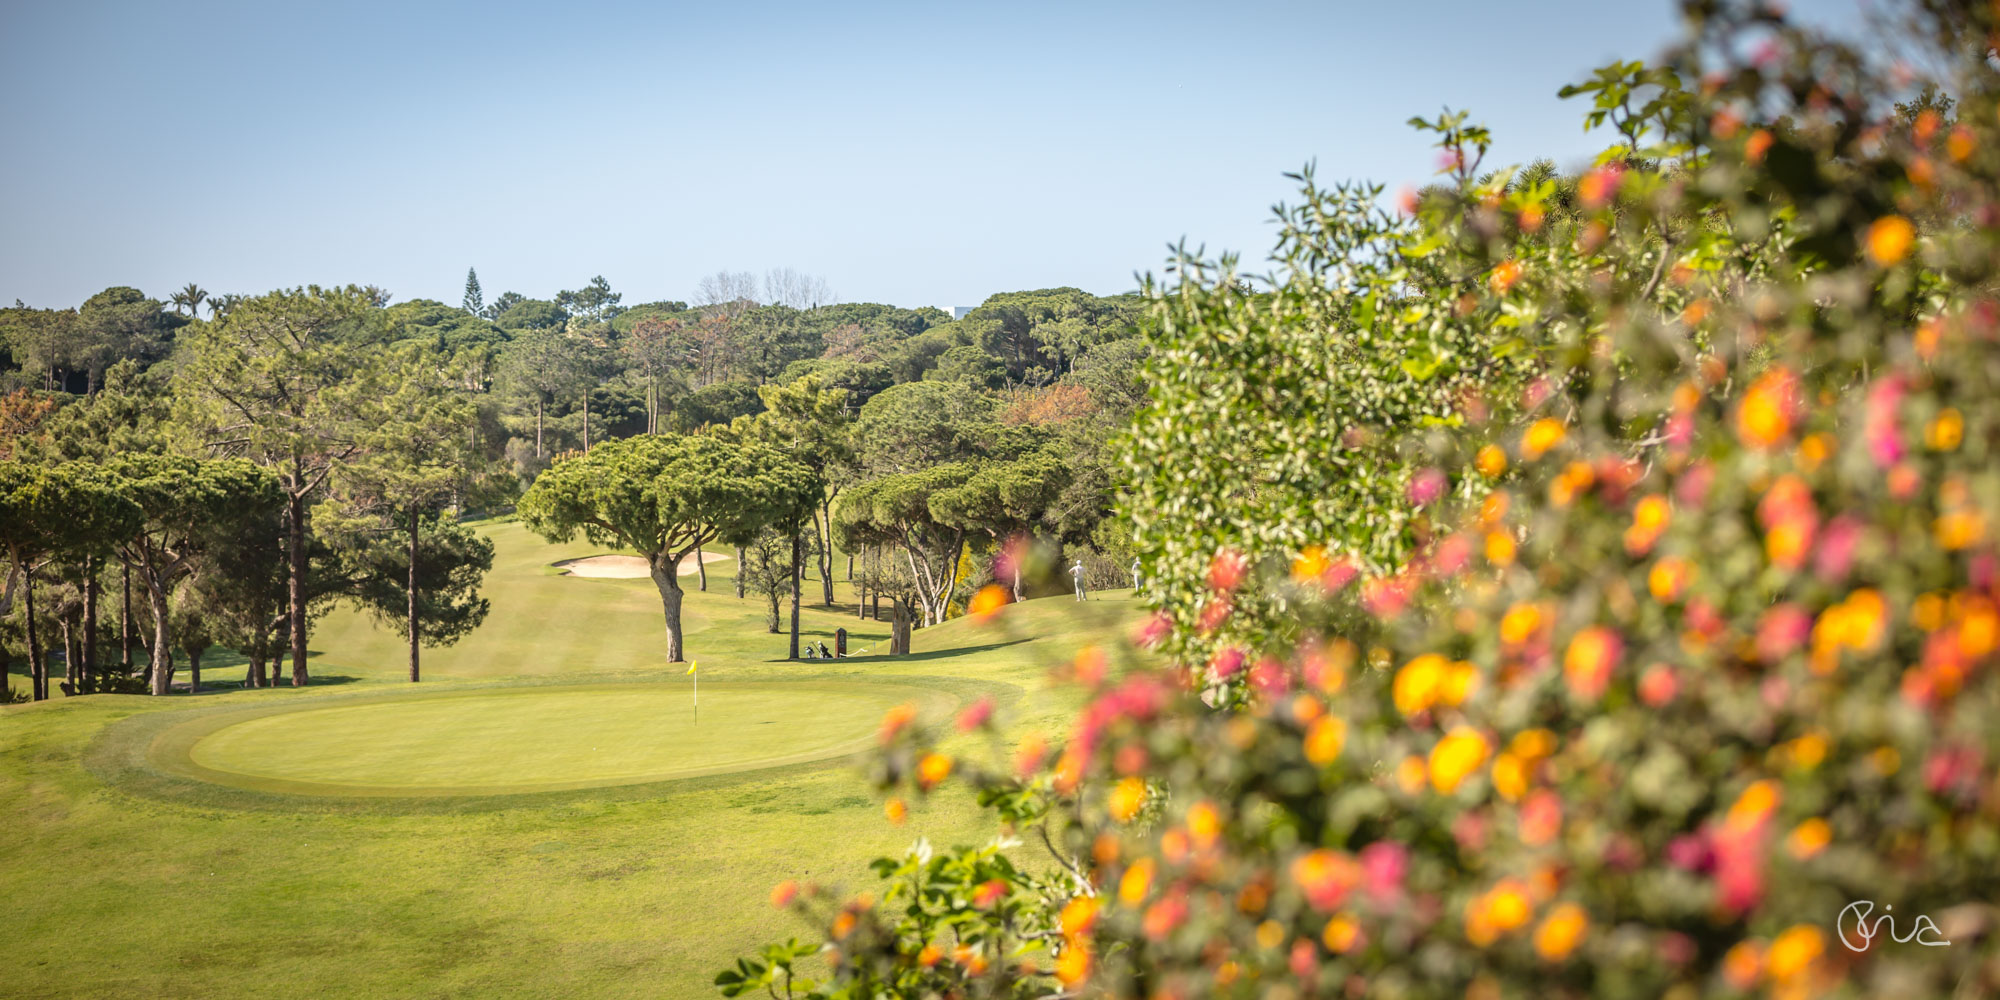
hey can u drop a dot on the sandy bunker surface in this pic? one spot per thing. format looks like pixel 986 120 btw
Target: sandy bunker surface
pixel 626 567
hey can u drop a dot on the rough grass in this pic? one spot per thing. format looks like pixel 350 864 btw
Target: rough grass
pixel 124 878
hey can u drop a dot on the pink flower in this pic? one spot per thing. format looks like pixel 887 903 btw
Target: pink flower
pixel 1155 630
pixel 1269 678
pixel 975 715
pixel 1384 864
pixel 1659 685
pixel 1453 554
pixel 1385 596
pixel 1469 829
pixel 1338 575
pixel 1690 852
pixel 1782 631
pixel 1226 662
pixel 1425 487
pixel 1226 570
pixel 1693 486
pixel 1835 554
pixel 1880 425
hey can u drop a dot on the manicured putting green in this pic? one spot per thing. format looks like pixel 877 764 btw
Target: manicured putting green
pixel 500 741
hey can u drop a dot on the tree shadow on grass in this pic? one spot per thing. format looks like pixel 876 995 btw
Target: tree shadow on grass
pixel 931 654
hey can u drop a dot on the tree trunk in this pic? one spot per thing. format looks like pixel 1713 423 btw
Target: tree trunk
pixel 899 630
pixel 850 567
pixel 666 570
pixel 194 672
pixel 586 421
pixel 700 568
pixel 6 674
pixel 798 577
pixel 90 590
pixel 72 650
pixel 739 576
pixel 825 538
pixel 253 676
pixel 125 623
pixel 538 425
pixel 163 650
pixel 295 530
pixel 414 633
pixel 38 688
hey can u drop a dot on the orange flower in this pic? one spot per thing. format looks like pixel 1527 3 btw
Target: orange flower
pixel 1410 773
pixel 1492 461
pixel 1755 805
pixel 1510 776
pixel 1342 933
pixel 1078 916
pixel 1503 908
pixel 1461 752
pixel 1650 517
pixel 930 956
pixel 1769 406
pixel 1945 431
pixel 1499 548
pixel 1074 965
pixel 1542 435
pixel 1809 838
pixel 933 769
pixel 1325 877
pixel 1126 798
pixel 783 893
pixel 1136 882
pixel 988 602
pixel 1757 145
pixel 1889 239
pixel 895 719
pixel 1504 276
pixel 1561 931
pixel 1592 656
pixel 1794 952
pixel 1460 680
pixel 1743 964
pixel 896 811
pixel 1669 579
pixel 970 957
pixel 1325 738
pixel 1960 144
pixel 1959 529
pixel 1532 744
pixel 843 925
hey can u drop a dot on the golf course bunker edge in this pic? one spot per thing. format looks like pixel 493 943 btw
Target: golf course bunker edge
pixel 499 741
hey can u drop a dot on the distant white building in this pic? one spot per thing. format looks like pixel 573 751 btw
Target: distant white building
pixel 958 312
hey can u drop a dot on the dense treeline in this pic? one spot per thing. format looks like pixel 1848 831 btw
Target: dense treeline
pixel 218 470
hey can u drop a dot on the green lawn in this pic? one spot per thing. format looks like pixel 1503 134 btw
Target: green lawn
pixel 367 837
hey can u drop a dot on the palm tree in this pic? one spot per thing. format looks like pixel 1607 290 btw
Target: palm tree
pixel 188 300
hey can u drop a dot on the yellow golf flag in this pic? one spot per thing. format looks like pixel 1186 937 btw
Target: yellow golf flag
pixel 693 664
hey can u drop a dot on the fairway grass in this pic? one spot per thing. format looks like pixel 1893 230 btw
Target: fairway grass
pixel 124 876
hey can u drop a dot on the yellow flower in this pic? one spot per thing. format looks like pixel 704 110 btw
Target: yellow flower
pixel 1309 564
pixel 1126 798
pixel 1669 577
pixel 1532 744
pixel 1795 951
pixel 1757 802
pixel 1561 931
pixel 1520 624
pixel 1418 683
pixel 1136 882
pixel 1946 431
pixel 1542 435
pixel 1460 680
pixel 1889 239
pixel 1461 752
pixel 1204 825
pixel 1814 450
pixel 1492 461
pixel 1325 738
pixel 932 769
pixel 1807 751
pixel 1959 529
pixel 1764 418
pixel 1809 838
pixel 1499 548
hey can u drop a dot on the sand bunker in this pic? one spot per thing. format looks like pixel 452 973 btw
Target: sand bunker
pixel 626 567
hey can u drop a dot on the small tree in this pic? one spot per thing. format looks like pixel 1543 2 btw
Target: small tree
pixel 766 570
pixel 664 498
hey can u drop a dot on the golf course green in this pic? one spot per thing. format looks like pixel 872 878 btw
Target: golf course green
pixel 542 816
pixel 484 742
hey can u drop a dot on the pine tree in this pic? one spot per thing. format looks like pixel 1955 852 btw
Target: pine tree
pixel 474 301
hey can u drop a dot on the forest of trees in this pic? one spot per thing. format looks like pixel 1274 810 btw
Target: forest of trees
pixel 219 469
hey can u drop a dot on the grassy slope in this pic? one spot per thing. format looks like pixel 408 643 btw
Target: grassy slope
pixel 640 891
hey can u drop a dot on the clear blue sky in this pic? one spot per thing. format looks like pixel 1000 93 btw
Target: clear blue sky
pixel 920 154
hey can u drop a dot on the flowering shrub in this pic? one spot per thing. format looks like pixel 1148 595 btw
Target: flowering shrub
pixel 1623 611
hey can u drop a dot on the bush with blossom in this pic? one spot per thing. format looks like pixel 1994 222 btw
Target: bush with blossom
pixel 1584 596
